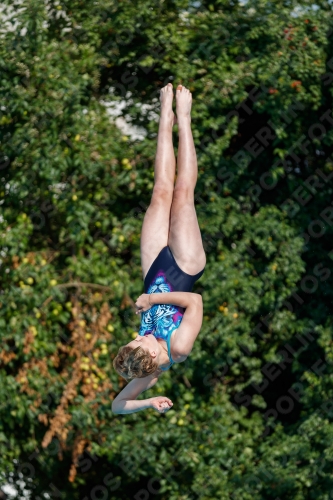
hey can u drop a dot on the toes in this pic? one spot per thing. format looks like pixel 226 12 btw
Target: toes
pixel 181 88
pixel 167 88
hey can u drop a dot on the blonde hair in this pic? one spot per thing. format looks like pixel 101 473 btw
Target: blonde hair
pixel 134 362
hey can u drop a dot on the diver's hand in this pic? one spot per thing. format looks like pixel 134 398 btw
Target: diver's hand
pixel 142 303
pixel 161 404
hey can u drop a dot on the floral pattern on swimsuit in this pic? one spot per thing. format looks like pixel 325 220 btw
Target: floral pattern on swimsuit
pixel 161 319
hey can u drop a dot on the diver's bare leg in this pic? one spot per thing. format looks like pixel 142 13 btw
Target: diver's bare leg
pixel 155 228
pixel 185 238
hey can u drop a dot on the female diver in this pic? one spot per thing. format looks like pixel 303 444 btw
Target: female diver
pixel 172 258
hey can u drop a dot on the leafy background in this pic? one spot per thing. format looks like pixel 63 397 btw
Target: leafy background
pixel 252 414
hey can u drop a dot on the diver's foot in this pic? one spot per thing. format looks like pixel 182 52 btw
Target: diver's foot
pixel 183 103
pixel 166 97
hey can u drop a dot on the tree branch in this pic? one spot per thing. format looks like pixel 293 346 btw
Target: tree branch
pixel 78 284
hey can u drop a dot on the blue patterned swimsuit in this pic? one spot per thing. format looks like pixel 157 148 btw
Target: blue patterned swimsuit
pixel 164 276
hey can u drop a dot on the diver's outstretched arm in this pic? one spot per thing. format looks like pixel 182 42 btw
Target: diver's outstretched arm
pixel 126 401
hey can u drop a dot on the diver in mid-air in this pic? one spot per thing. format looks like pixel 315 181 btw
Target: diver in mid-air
pixel 172 258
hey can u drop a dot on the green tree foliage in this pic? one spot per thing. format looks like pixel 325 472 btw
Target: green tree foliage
pixel 252 415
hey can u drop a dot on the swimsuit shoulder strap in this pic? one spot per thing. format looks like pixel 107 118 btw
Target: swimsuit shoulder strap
pixel 169 348
pixel 169 353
